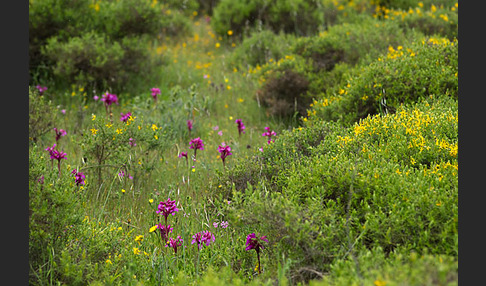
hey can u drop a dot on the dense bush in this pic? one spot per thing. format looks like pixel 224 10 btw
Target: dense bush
pixel 314 60
pixel 102 45
pixel 42 115
pixel 406 4
pixel 430 20
pixel 260 48
pixel 351 43
pixel 384 182
pixel 53 206
pixel 301 17
pixel 403 75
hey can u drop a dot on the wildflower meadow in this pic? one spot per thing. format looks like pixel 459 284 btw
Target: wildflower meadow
pixel 231 142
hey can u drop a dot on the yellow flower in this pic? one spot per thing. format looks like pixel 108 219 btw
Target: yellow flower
pixel 109 125
pixel 136 251
pixel 153 228
pixel 94 131
pixel 139 238
pixel 154 127
pixel 151 201
pixel 217 45
pixel 379 282
pixel 119 131
pixel 230 32
pixel 109 261
pixel 93 117
pixel 123 191
pixel 228 87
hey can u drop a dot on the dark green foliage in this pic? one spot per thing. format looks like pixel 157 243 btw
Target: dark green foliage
pixel 434 24
pixel 285 95
pixel 207 6
pixel 42 115
pixel 323 190
pixel 405 4
pixel 52 207
pixel 404 75
pixel 351 43
pixel 103 45
pixel 312 73
pixel 261 47
pixel 91 59
pixel 300 17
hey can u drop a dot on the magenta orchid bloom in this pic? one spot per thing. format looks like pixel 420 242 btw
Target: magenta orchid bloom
pixel 205 237
pixel 189 125
pixel 184 154
pixel 164 231
pixel 174 243
pixel 132 143
pixel 166 208
pixel 155 91
pixel 224 224
pixel 125 117
pixel 58 155
pixel 41 89
pixel 196 144
pixel 253 242
pixel 269 134
pixel 241 126
pixel 109 99
pixel 197 239
pixel 51 149
pixel 79 177
pixel 225 151
pixel 59 133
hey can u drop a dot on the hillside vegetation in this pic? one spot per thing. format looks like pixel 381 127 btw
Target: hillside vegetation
pixel 243 142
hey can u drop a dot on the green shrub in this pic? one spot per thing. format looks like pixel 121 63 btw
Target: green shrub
pixel 53 205
pixel 284 86
pixel 119 19
pixel 403 75
pixel 351 43
pixel 48 18
pixel 102 45
pixel 42 115
pixel 301 17
pixel 374 267
pixel 431 20
pixel 91 58
pixel 406 4
pixel 207 6
pixel 260 48
pixel 386 182
pixel 315 58
pixel 98 62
